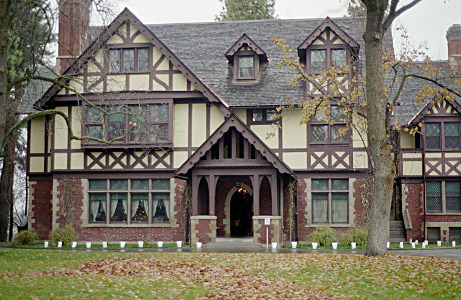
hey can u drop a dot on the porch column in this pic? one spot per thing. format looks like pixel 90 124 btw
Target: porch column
pixel 275 208
pixel 256 194
pixel 212 195
pixel 194 195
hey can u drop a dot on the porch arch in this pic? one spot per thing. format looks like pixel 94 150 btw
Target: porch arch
pixel 226 220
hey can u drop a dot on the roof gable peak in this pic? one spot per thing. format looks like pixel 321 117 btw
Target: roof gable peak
pixel 245 39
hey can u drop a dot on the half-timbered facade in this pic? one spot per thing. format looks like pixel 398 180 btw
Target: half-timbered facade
pixel 192 110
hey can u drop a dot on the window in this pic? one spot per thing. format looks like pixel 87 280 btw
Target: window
pixel 455 234
pixel 442 135
pixel 330 201
pixel 246 67
pixel 443 196
pixel 129 60
pixel 320 59
pixel 129 201
pixel 149 124
pixel 323 131
pixel 433 234
pixel 263 115
pixel 246 64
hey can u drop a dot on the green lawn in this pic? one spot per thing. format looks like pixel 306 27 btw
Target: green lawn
pixel 44 274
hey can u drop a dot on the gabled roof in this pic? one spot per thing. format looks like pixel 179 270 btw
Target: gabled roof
pixel 327 23
pixel 126 16
pixel 247 133
pixel 431 104
pixel 245 39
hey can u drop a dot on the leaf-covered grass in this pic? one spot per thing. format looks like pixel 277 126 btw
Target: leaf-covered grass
pixel 47 274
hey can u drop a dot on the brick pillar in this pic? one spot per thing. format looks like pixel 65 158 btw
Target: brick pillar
pixel 454 44
pixel 203 229
pixel 275 229
pixel 40 209
pixel 74 22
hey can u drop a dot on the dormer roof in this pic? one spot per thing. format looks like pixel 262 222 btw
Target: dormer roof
pixel 245 39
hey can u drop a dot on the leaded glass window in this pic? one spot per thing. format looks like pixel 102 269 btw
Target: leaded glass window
pixel 246 67
pixel 434 196
pixel 453 196
pixel 454 234
pixel 94 121
pixel 161 207
pixel 116 123
pixel 128 60
pixel 433 135
pixel 339 57
pixel 118 184
pixel 161 184
pixel 318 61
pixel 114 61
pixel 332 204
pixel 263 115
pixel 319 133
pixel 143 59
pixel 98 184
pixel 139 208
pixel 451 135
pixel 433 234
pixel 139 184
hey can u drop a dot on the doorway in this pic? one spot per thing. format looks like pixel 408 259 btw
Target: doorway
pixel 241 213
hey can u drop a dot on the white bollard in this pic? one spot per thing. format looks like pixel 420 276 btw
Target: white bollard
pixel 45 244
pixel 59 244
pixel 453 244
pixel 423 245
pixel 413 245
pixel 199 245
pixel 74 244
pixel 353 245
pixel 88 245
pixel 439 243
pixel 274 245
pixel 294 245
pixel 122 244
pixel 104 245
pixel 160 244
pixel 401 245
pixel 416 242
pixel 179 244
pixel 314 245
pixel 140 244
pixel 334 245
pixel 388 244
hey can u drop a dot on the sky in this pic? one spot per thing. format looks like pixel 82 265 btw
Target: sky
pixel 427 23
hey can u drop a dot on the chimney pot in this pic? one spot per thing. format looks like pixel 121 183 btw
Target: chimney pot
pixel 454 44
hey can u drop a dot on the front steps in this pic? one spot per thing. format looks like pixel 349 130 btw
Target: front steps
pixel 396 232
pixel 234 243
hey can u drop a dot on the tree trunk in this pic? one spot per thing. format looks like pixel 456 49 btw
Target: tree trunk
pixel 5 6
pixel 7 177
pixel 378 141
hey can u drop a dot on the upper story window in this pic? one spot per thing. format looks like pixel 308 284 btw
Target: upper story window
pixel 443 196
pixel 129 60
pixel 263 115
pixel 148 124
pixel 334 131
pixel 325 58
pixel 442 135
pixel 245 56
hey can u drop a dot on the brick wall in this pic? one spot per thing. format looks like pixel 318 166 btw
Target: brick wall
pixel 275 230
pixel 265 198
pixel 203 229
pixel 362 195
pixel 413 199
pixel 40 218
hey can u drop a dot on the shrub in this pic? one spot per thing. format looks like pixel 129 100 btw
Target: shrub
pixel 358 235
pixel 65 235
pixel 26 237
pixel 323 235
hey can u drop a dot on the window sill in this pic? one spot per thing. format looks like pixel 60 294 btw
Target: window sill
pixel 458 213
pixel 330 225
pixel 101 146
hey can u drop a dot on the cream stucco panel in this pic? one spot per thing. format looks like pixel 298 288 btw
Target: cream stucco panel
pixel 76 161
pixel 180 128
pixel 37 164
pixel 92 68
pixel 179 158
pixel 216 118
pixel 407 141
pixel 139 82
pixel 60 161
pixel 156 56
pixel 198 124
pixel 140 38
pixel 76 85
pixel 360 160
pixel 433 155
pixel 165 78
pixel 262 132
pixel 37 135
pixel 60 130
pixel 294 134
pixel 295 160
pixel 115 39
pixel 98 88
pixel 241 113
pixel 116 83
pixel 76 126
pixel 412 168
pixel 453 155
pixel 179 82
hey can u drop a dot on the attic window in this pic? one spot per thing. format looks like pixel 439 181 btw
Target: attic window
pixel 246 67
pixel 129 60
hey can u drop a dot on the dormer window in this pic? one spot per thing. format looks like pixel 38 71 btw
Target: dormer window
pixel 245 57
pixel 129 60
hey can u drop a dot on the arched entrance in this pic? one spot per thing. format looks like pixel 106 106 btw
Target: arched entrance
pixel 241 213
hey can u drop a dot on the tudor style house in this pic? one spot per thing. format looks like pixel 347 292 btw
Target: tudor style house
pixel 193 111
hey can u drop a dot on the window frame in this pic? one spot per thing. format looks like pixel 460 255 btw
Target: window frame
pixel 122 50
pixel 130 191
pixel 340 122
pixel 126 142
pixel 443 196
pixel 265 114
pixel 442 135
pixel 245 51
pixel 329 48
pixel 330 191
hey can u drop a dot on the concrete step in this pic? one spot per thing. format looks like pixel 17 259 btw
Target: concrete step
pixel 235 243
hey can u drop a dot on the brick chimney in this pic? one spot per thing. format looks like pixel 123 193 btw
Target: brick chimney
pixel 74 22
pixel 454 44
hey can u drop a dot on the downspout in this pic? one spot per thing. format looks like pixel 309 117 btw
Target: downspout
pixel 424 183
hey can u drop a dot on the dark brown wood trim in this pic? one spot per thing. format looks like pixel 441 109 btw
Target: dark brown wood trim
pixel 189 131
pixel 208 119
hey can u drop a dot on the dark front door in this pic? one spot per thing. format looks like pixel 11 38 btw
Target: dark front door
pixel 241 213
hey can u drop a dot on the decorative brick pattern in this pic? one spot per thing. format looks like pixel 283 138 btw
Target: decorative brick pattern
pixel 40 218
pixel 203 229
pixel 275 230
pixel 413 201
